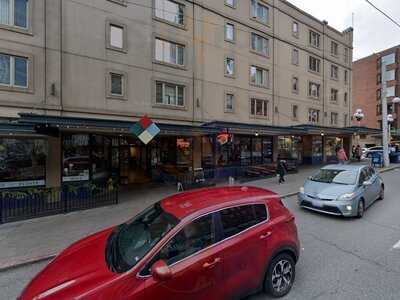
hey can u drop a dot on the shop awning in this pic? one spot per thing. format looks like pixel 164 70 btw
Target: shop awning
pixel 107 126
pixel 315 130
pixel 12 128
pixel 252 129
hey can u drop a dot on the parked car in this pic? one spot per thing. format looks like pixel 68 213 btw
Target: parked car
pixel 215 243
pixel 342 190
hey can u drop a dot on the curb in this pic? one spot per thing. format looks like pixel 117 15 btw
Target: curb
pixel 389 169
pixel 26 262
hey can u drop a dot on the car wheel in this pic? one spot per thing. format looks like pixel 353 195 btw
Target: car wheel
pixel 360 209
pixel 280 276
pixel 382 193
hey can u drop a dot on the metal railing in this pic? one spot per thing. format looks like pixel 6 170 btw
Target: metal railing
pixel 27 203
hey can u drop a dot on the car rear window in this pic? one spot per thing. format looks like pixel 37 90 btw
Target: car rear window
pixel 236 219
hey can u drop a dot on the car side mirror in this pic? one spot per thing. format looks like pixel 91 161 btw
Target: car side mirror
pixel 367 183
pixel 160 271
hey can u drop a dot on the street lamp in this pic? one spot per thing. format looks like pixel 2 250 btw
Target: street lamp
pixel 359 115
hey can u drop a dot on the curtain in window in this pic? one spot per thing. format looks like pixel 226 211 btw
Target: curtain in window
pixel 21 11
pixel 21 72
pixel 170 95
pixel 4 69
pixel 5 12
pixel 259 77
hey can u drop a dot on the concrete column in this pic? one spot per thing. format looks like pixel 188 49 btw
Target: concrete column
pixel 53 163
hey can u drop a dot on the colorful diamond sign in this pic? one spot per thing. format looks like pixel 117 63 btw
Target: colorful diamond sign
pixel 145 130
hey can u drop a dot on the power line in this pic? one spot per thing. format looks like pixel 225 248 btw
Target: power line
pixel 383 13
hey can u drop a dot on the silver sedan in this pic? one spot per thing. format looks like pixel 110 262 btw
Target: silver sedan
pixel 342 190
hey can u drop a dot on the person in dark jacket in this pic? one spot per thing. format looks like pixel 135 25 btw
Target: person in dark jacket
pixel 281 170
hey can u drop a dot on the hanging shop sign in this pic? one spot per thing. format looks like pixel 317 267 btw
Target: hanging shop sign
pixel 224 138
pixel 145 130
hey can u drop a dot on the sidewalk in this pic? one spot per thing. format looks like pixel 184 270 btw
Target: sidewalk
pixel 40 239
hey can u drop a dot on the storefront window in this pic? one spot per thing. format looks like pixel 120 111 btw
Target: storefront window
pixel 257 151
pixel 207 146
pixel 100 157
pixel 290 147
pixel 76 157
pixel 268 150
pixel 22 162
pixel 184 152
pixel 317 148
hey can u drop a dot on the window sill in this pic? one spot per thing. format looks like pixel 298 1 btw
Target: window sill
pixel 314 72
pixel 15 89
pixel 255 19
pixel 177 25
pixel 120 2
pixel 167 106
pixel 27 31
pixel 230 76
pixel 123 50
pixel 116 97
pixel 259 53
pixel 228 111
pixel 259 85
pixel 230 41
pixel 334 79
pixel 162 63
pixel 230 6
pixel 259 117
pixel 315 47
pixel 314 98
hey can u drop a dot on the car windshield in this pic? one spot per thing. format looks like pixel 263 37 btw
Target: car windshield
pixel 131 241
pixel 347 177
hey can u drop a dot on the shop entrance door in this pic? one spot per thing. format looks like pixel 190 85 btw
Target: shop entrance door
pixel 133 167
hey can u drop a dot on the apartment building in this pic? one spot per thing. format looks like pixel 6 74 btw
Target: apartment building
pixel 229 83
pixel 367 92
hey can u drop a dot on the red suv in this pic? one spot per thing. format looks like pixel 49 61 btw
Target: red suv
pixel 218 243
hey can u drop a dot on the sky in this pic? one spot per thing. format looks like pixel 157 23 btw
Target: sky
pixel 373 32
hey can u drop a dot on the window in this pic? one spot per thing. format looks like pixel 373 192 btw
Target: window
pixel 346 55
pixel 23 162
pixel 314 64
pixel 295 110
pixel 169 52
pixel 390 91
pixel 295 84
pixel 391 75
pixel 346 76
pixel 313 116
pixel 231 3
pixel 334 72
pixel 295 29
pixel 259 76
pixel 389 59
pixel 346 120
pixel 259 44
pixel 229 67
pixel 334 48
pixel 116 36
pixel 346 98
pixel 334 118
pixel 295 57
pixel 229 32
pixel 314 39
pixel 116 84
pixel 314 90
pixel 237 219
pixel 229 102
pixel 334 95
pixel 76 157
pixel 259 108
pixel 14 71
pixel 259 11
pixel 170 11
pixel 14 13
pixel 169 94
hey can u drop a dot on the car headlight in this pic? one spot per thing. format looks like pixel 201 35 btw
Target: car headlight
pixel 301 190
pixel 346 197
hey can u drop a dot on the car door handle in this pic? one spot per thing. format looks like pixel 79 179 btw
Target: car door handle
pixel 209 265
pixel 266 235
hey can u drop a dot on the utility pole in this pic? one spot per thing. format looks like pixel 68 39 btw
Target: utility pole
pixel 385 138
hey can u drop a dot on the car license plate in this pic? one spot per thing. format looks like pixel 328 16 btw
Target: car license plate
pixel 317 204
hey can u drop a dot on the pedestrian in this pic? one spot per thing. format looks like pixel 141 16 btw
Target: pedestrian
pixel 281 170
pixel 353 151
pixel 358 153
pixel 341 155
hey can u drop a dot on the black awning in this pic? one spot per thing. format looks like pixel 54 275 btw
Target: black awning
pixel 317 130
pixel 12 128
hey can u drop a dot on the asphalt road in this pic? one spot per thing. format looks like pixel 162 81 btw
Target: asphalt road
pixel 341 258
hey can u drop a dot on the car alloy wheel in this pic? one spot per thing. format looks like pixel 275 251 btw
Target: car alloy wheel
pixel 360 209
pixel 280 276
pixel 382 193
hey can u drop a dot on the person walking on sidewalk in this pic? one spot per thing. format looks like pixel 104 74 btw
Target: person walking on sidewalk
pixel 341 155
pixel 358 153
pixel 281 170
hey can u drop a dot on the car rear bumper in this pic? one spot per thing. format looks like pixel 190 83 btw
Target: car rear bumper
pixel 336 208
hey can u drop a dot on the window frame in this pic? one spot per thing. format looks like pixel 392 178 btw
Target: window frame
pixel 217 225
pixel 255 51
pixel 265 71
pixel 109 94
pixel 336 123
pixel 233 40
pixel 160 19
pixel 334 95
pixel 16 28
pixel 334 49
pixel 295 117
pixel 256 17
pixel 29 88
pixel 177 44
pixel 334 67
pixel 265 114
pixel 296 61
pixel 177 84
pixel 109 24
pixel 295 91
pixel 226 110
pixel 314 35
pixel 318 115
pixel 317 65
pixel 229 5
pixel 296 34
pixel 233 75
pixel 319 90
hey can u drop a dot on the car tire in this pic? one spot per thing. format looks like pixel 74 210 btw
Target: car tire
pixel 360 209
pixel 280 276
pixel 382 193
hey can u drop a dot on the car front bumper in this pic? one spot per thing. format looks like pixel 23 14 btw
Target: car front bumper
pixel 334 207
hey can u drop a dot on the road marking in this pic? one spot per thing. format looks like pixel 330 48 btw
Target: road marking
pixel 397 245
